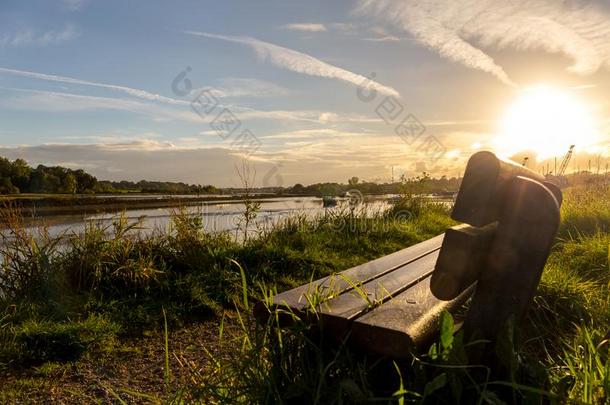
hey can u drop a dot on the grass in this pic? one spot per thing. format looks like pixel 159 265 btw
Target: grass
pixel 559 353
pixel 113 293
pixel 132 280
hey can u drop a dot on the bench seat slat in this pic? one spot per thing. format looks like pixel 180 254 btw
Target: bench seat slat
pixel 334 285
pixel 405 323
pixel 337 313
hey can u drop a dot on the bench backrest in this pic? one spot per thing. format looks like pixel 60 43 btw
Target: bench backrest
pixel 513 216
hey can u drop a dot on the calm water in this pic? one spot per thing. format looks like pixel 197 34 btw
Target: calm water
pixel 217 216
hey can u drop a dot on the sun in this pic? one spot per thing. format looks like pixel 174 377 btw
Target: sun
pixel 546 121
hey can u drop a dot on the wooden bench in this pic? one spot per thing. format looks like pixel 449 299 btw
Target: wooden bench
pixel 391 306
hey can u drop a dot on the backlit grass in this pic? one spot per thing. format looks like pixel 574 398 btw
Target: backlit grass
pixel 71 301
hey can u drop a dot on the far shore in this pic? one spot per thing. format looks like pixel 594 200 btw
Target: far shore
pixel 42 205
pixel 65 204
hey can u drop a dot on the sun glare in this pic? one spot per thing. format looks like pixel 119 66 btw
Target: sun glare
pixel 546 121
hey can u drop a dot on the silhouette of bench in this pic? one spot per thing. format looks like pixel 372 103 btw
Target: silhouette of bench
pixel 391 306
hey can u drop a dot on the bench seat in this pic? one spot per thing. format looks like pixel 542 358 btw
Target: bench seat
pixel 384 306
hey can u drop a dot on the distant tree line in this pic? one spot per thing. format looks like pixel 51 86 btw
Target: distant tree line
pixel 423 183
pixel 144 186
pixel 18 177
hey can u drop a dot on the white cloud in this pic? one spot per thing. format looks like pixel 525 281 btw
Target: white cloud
pixel 40 100
pixel 33 38
pixel 69 80
pixel 461 30
pixel 229 87
pixel 300 62
pixel 308 27
pixel 387 38
pixel 248 87
pixel 322 133
pixel 304 156
pixel 381 35
pixel 142 159
pixel 74 5
pixel 60 102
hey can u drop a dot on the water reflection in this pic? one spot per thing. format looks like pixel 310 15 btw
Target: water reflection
pixel 217 216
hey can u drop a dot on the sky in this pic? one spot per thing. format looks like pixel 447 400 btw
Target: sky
pixel 307 91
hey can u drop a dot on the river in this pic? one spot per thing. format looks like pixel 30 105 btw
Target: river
pixel 217 215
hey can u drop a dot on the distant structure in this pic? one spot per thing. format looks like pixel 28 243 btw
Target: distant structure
pixel 566 161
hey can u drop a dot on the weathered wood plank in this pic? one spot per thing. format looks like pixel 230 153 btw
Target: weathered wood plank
pixel 461 259
pixel 336 314
pixel 483 188
pixel 526 229
pixel 331 286
pixel 406 323
pixel 553 188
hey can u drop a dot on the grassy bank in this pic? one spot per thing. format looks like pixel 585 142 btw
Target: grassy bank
pixel 67 204
pixel 64 302
pixel 559 353
pixel 103 299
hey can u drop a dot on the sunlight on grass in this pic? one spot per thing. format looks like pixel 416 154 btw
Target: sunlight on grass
pixel 111 283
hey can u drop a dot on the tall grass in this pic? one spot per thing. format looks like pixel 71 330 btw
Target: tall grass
pixel 131 278
pixel 80 294
pixel 558 353
pixel 585 210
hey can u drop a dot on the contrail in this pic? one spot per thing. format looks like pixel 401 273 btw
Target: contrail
pixel 300 62
pixel 128 90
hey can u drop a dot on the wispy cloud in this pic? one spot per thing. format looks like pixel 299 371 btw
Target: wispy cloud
pixel 308 27
pixel 304 157
pixel 387 38
pixel 248 87
pixel 299 62
pixel 381 35
pixel 32 38
pixel 135 160
pixel 230 87
pixel 41 100
pixel 69 80
pixel 322 133
pixel 52 101
pixel 460 31
pixel 74 5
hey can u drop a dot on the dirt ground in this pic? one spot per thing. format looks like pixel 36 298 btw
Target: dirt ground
pixel 133 371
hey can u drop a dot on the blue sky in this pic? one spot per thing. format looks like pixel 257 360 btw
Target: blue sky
pixel 88 83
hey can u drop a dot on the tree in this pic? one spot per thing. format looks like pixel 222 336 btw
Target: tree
pixel 6 187
pixel 69 184
pixel 86 182
pixel 20 173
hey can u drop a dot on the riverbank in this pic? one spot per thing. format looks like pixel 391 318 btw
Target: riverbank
pixel 88 324
pixel 48 204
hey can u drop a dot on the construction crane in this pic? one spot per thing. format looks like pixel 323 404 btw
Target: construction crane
pixel 566 160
